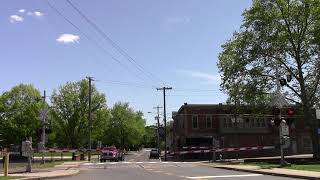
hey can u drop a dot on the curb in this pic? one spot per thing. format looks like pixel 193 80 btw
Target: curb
pixel 262 172
pixel 50 177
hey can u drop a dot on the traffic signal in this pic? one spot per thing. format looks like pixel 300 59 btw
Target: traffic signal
pixel 283 82
pixel 290 111
pixel 277 121
pixel 276 111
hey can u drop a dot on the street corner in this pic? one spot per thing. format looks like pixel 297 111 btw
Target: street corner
pixel 46 175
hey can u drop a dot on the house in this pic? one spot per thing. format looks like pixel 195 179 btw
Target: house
pixel 221 126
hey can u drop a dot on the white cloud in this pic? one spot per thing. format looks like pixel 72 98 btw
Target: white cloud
pixel 207 77
pixel 35 13
pixel 15 18
pixel 38 13
pixel 176 20
pixel 22 10
pixel 68 38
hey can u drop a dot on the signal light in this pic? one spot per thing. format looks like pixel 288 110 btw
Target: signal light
pixel 290 111
pixel 277 121
pixel 276 111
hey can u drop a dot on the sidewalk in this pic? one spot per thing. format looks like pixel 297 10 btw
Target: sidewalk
pixel 63 170
pixel 269 171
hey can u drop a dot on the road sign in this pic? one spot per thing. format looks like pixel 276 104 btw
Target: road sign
pixel 26 149
pixel 161 131
pixel 284 128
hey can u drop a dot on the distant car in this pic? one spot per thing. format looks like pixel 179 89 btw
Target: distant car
pixel 111 154
pixel 154 153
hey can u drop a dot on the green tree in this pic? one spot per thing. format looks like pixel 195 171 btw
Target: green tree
pixel 276 33
pixel 19 114
pixel 150 136
pixel 69 113
pixel 125 127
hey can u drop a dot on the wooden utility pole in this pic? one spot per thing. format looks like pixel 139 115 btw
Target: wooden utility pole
pixel 165 119
pixel 158 126
pixel 89 117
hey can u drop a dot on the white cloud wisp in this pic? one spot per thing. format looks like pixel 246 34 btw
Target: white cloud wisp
pixel 15 19
pixel 35 13
pixel 208 78
pixel 68 38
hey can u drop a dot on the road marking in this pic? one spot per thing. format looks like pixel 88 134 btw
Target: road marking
pixel 223 176
pixel 139 162
pixel 158 171
pixel 169 174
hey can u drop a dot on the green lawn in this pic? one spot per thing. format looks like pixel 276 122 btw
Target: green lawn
pixel 46 164
pixel 9 177
pixel 305 167
pixel 48 154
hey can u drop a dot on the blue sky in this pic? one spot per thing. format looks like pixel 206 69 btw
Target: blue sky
pixel 178 41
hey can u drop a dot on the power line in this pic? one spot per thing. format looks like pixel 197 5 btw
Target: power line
pixel 195 90
pixel 131 84
pixel 148 74
pixel 92 40
pixel 191 95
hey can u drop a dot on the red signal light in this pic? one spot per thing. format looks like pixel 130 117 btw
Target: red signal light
pixel 290 111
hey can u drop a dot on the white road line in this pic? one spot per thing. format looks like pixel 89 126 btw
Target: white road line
pixel 139 162
pixel 223 176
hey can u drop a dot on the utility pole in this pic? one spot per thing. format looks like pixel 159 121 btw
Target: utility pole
pixel 43 137
pixel 165 119
pixel 158 126
pixel 89 117
pixel 43 114
pixel 282 126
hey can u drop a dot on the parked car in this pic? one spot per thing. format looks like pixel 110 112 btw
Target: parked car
pixel 111 153
pixel 154 153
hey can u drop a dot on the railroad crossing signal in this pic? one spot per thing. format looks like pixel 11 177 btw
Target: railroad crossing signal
pixel 279 100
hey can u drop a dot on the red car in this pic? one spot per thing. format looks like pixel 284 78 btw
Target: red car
pixel 111 153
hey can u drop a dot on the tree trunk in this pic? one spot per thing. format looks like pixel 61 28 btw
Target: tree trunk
pixel 312 122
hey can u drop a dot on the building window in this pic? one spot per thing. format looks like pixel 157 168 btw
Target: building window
pixel 240 122
pixel 230 122
pixel 263 122
pixel 225 123
pixel 195 122
pixel 258 122
pixel 209 121
pixel 247 125
pixel 252 122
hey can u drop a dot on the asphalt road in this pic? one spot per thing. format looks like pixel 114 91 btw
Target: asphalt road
pixel 138 166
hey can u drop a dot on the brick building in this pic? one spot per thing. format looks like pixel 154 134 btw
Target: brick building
pixel 202 124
